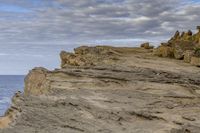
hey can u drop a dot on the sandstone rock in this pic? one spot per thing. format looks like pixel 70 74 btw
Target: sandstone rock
pixel 89 56
pixel 178 52
pixel 180 47
pixel 146 46
pixel 177 35
pixel 175 38
pixel 163 51
pixel 82 50
pixel 195 61
pixel 188 55
pixel 73 60
pixel 132 95
pixel 36 82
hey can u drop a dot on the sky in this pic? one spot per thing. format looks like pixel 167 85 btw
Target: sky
pixel 33 32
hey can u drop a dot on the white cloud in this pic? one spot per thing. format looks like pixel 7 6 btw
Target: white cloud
pixel 54 25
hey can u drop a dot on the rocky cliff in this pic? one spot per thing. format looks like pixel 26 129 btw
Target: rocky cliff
pixel 108 90
pixel 183 46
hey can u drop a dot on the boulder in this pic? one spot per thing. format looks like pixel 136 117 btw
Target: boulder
pixel 180 47
pixel 195 61
pixel 163 51
pixel 188 54
pixel 146 46
pixel 178 52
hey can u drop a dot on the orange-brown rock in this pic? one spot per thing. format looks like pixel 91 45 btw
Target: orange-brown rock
pixel 36 82
pixel 163 51
pixel 89 56
pixel 146 46
pixel 181 45
pixel 188 54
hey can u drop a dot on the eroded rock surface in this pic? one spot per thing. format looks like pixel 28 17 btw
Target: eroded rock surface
pixel 137 93
pixel 179 45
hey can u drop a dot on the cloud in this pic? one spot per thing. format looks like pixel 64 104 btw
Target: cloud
pixel 52 25
pixel 82 21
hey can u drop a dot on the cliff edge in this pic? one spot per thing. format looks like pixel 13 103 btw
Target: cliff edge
pixel 108 90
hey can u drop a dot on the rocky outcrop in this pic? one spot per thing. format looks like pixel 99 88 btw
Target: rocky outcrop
pixel 180 45
pixel 13 111
pixel 146 46
pixel 89 56
pixel 36 82
pixel 136 93
pixel 164 51
pixel 188 54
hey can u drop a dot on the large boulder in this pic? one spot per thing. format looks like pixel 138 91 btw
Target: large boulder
pixel 188 54
pixel 180 47
pixel 146 46
pixel 178 52
pixel 163 51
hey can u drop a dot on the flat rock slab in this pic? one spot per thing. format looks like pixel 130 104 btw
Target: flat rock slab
pixel 140 93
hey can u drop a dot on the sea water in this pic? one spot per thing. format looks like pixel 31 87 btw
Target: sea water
pixel 9 84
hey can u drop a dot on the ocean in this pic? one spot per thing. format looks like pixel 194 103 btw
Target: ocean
pixel 9 84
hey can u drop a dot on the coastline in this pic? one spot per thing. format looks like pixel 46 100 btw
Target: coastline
pixel 114 90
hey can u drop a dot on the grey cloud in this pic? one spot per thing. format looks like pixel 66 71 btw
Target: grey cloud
pixel 54 25
pixel 98 19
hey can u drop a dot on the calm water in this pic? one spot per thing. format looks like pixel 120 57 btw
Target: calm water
pixel 8 86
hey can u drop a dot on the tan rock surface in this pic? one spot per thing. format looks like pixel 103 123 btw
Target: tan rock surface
pixel 138 93
pixel 188 54
pixel 195 61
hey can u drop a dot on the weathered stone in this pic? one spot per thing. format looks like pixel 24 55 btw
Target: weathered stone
pixel 188 55
pixel 195 61
pixel 178 52
pixel 73 60
pixel 89 56
pixel 36 82
pixel 180 47
pixel 163 51
pixel 177 35
pixel 132 95
pixel 175 38
pixel 146 46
